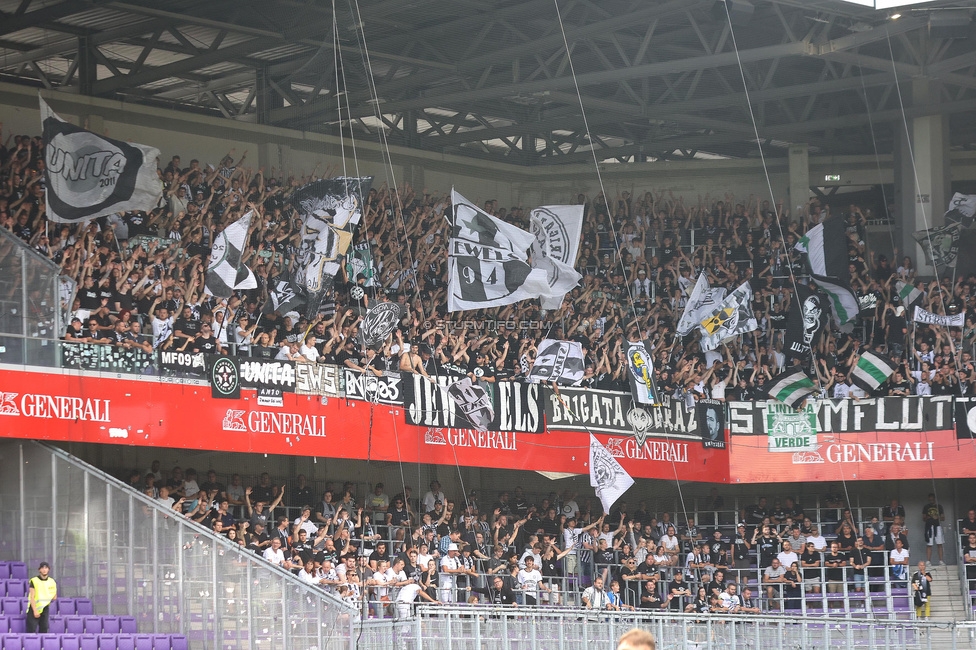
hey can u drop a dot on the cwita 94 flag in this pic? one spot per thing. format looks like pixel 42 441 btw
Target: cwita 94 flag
pixel 488 261
pixel 872 370
pixel 87 175
pixel 225 271
pixel 606 475
pixel 558 361
pixel 791 387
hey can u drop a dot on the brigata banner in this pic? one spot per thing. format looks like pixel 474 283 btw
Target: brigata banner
pixel 61 406
pixel 606 411
pixel 517 406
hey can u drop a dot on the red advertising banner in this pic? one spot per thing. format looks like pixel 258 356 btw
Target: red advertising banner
pixel 865 456
pixel 69 407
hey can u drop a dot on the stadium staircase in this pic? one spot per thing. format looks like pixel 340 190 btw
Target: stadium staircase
pixel 947 602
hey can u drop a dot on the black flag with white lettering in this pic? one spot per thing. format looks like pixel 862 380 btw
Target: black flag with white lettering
pixel 804 322
pixel 965 416
pixel 283 296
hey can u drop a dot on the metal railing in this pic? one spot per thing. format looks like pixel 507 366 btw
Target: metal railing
pixel 132 556
pixel 463 628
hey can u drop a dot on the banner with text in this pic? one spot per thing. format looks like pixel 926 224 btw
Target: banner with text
pixel 517 406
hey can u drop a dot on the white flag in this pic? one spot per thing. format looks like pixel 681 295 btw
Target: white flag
pixel 962 209
pixel 557 230
pixel 225 272
pixel 488 261
pixel 606 475
pixel 558 361
pixel 928 318
pixel 473 401
pixel 87 175
pixel 702 302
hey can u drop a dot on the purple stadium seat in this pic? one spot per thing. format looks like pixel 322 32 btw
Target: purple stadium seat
pixel 56 624
pixel 111 625
pixel 161 642
pixel 54 608
pixel 73 624
pixel 70 642
pixel 129 625
pixel 50 642
pixel 126 642
pixel 144 642
pixel 12 642
pixel 89 642
pixel 93 624
pixel 4 624
pixel 4 570
pixel 83 607
pixel 179 642
pixel 18 570
pixel 11 607
pixel 31 642
pixel 66 606
pixel 18 624
pixel 107 642
pixel 15 588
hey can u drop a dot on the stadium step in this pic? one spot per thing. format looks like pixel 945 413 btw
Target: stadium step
pixel 947 603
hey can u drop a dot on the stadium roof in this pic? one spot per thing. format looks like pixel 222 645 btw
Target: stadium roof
pixel 659 79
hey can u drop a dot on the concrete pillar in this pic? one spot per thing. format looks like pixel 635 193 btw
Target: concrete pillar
pixel 94 123
pixel 922 172
pixel 799 179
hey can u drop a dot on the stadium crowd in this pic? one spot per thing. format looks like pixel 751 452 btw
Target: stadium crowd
pixel 141 283
pixel 561 549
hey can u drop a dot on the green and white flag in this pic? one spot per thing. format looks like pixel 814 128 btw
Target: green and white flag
pixel 908 293
pixel 791 387
pixel 826 247
pixel 872 370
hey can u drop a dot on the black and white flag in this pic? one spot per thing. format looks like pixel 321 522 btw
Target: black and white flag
pixel 733 317
pixel 488 261
pixel 941 245
pixel 804 321
pixel 225 271
pixel 379 322
pixel 711 423
pixel 702 302
pixel 283 296
pixel 87 175
pixel 558 361
pixel 962 209
pixel 557 230
pixel 474 402
pixel 607 476
pixel 330 210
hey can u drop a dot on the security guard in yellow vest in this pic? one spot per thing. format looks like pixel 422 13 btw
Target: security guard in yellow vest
pixel 42 591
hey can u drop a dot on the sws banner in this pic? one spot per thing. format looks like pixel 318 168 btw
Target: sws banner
pixel 604 411
pixel 317 379
pixel 849 416
pixel 517 406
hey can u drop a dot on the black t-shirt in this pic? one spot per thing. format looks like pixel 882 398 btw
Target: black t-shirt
pixel 811 556
pixel 835 573
pixel 768 548
pixel 205 344
pixel 740 551
pixel 89 298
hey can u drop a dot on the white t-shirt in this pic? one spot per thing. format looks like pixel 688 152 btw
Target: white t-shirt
pixel 529 582
pixel 445 579
pixel 308 527
pixel 818 542
pixel 669 542
pixel 311 578
pixel 309 352
pixel 274 556
pixel 408 593
pixel 730 602
pixel 899 555
pixel 787 559
pixel 386 577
